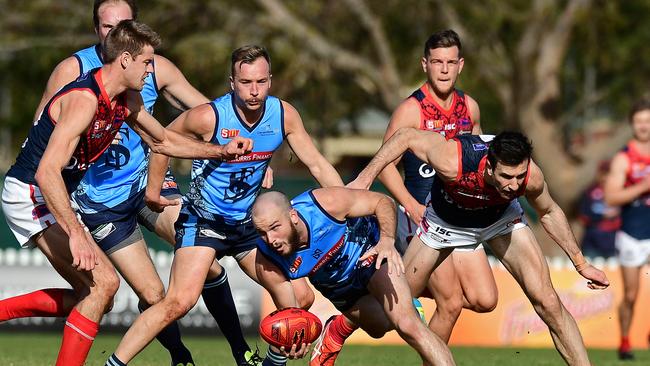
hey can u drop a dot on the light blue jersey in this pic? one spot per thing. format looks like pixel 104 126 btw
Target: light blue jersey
pixel 331 258
pixel 227 189
pixel 121 172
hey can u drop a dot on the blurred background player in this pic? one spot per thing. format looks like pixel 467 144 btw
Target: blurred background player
pixel 111 194
pixel 600 220
pixel 628 185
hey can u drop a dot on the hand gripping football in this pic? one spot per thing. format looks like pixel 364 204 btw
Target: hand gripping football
pixel 290 326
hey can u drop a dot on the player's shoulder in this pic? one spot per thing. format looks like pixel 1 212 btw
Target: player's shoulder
pixel 407 114
pixel 620 161
pixel 536 179
pixel 67 70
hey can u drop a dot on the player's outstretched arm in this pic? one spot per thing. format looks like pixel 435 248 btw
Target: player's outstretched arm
pixel 616 193
pixel 304 148
pixel 171 143
pixel 428 146
pixel 557 226
pixel 406 115
pixel 77 110
pixel 175 87
pixel 342 203
pixel 274 281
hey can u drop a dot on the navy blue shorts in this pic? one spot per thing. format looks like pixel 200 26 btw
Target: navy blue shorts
pixel 227 238
pixel 344 295
pixel 116 227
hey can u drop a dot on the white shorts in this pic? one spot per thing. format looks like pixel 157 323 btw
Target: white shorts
pixel 407 229
pixel 25 210
pixel 632 252
pixel 437 234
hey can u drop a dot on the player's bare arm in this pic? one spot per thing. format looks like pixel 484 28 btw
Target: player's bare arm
pixel 430 147
pixel 275 282
pixel 74 113
pixel 407 114
pixel 616 194
pixel 171 143
pixel 342 203
pixel 475 114
pixel 65 72
pixel 304 148
pixel 557 226
pixel 197 123
pixel 175 87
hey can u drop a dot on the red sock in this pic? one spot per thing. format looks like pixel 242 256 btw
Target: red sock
pixel 340 329
pixel 625 344
pixel 47 302
pixel 78 336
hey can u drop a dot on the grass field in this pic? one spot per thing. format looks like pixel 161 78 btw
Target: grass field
pixel 38 349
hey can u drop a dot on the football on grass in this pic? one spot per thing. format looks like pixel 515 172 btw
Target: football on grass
pixel 290 326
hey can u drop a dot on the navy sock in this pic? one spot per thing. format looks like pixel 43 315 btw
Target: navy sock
pixel 274 359
pixel 218 299
pixel 170 338
pixel 114 361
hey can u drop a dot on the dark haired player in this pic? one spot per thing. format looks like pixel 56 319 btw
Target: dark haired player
pixel 474 199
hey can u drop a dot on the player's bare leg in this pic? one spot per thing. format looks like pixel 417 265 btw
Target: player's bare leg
pixel 522 257
pixel 631 281
pixel 94 289
pixel 392 291
pixel 448 293
pixel 420 261
pixel 476 279
pixel 189 269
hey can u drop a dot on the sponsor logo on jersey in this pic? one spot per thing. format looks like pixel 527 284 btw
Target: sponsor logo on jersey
pixel 295 265
pixel 434 124
pixel 254 156
pixel 450 127
pixel 329 255
pixel 479 146
pixel 464 122
pixel 228 134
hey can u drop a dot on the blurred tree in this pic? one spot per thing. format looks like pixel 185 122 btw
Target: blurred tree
pixel 546 67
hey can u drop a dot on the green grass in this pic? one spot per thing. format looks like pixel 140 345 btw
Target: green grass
pixel 37 349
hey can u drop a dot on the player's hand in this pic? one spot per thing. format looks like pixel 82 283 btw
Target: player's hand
pixel 416 212
pixel 159 204
pixel 237 147
pixel 296 351
pixel 597 278
pixel 267 182
pixel 385 249
pixel 82 248
pixel 358 183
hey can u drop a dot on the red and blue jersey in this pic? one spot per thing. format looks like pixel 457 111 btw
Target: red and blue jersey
pixel 335 246
pixel 99 135
pixel 468 201
pixel 635 214
pixel 227 189
pixel 418 175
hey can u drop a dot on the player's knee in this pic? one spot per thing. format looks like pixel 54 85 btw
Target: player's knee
pixel 176 308
pixel 408 326
pixel 483 304
pixel 548 305
pixel 106 286
pixel 629 296
pixel 375 332
pixel 450 307
pixel 152 296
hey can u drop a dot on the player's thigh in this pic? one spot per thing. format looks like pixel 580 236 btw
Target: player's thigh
pixel 476 277
pixel 137 268
pixel 247 264
pixel 189 270
pixel 54 244
pixel 523 258
pixel 161 223
pixel 392 292
pixel 420 260
pixel 445 283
